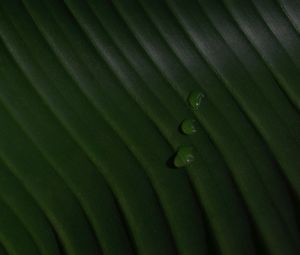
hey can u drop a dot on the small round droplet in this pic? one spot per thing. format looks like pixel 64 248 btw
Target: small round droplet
pixel 189 126
pixel 184 156
pixel 195 99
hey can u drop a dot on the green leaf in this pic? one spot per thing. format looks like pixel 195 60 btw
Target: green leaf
pixel 149 127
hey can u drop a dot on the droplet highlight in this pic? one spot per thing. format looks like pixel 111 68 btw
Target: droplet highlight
pixel 185 156
pixel 195 99
pixel 189 126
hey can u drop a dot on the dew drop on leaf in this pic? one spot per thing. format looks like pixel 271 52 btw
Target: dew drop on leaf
pixel 189 126
pixel 195 99
pixel 185 156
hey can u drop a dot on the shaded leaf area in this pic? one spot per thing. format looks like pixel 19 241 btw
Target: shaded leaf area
pixel 149 127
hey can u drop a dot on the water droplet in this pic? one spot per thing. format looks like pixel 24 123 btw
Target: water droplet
pixel 184 156
pixel 189 126
pixel 195 99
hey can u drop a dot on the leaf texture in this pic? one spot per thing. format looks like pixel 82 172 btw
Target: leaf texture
pixel 149 127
